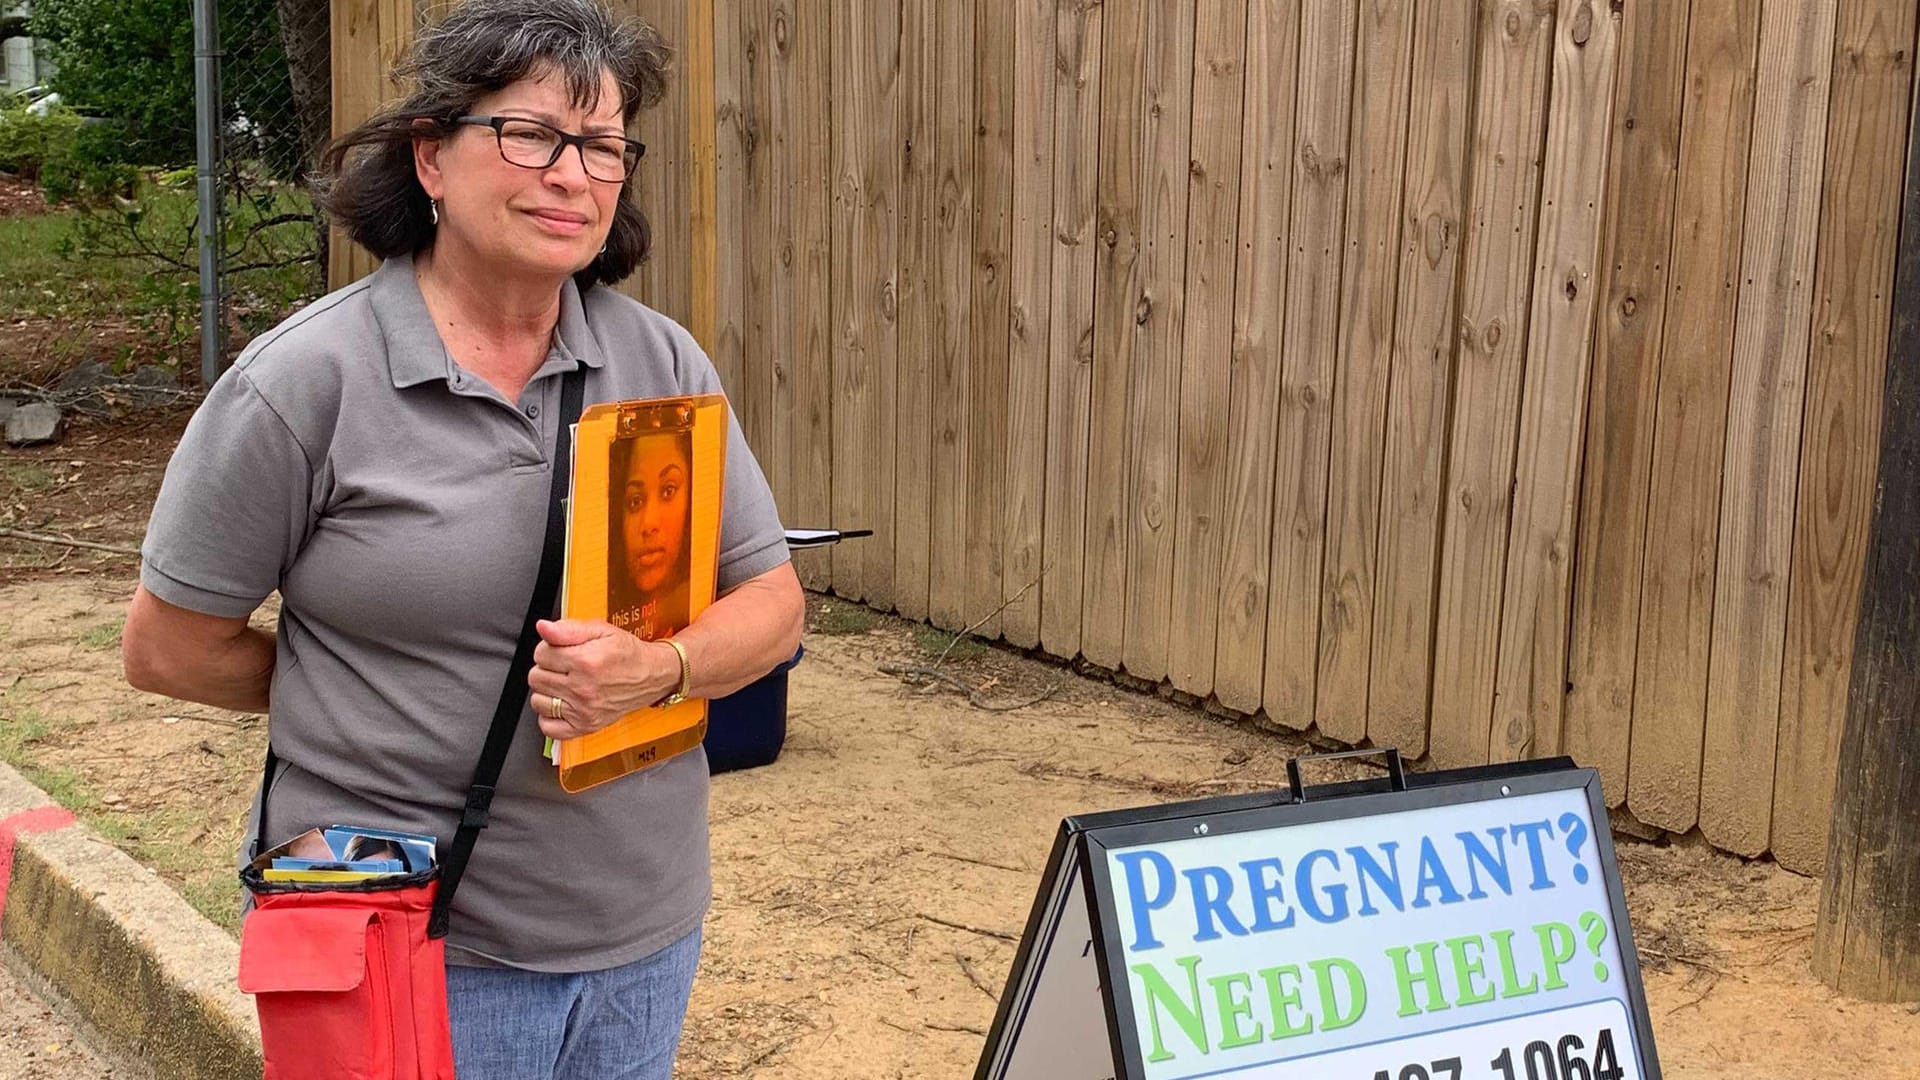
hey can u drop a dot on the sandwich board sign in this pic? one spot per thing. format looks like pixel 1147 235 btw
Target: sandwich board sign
pixel 1461 925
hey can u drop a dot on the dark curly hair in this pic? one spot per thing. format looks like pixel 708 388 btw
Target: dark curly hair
pixel 366 181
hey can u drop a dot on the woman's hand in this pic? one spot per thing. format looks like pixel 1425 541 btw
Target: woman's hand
pixel 593 673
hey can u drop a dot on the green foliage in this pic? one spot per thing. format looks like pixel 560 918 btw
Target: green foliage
pixel 90 168
pixel 217 897
pixel 938 643
pixel 28 142
pixel 104 636
pixel 132 61
pixel 26 477
pixel 843 619
pixel 101 264
pixel 19 729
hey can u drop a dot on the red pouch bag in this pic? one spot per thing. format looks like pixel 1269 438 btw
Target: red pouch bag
pixel 348 984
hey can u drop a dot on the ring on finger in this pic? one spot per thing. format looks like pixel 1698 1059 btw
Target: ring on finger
pixel 556 707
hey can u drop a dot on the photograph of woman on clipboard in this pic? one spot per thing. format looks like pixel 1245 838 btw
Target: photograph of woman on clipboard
pixel 649 572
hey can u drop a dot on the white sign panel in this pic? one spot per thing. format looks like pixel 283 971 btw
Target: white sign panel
pixel 1473 941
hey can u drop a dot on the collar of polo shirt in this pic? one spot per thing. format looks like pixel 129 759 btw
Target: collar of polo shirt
pixel 415 353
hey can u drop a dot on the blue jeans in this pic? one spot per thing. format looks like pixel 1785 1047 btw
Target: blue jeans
pixel 619 1024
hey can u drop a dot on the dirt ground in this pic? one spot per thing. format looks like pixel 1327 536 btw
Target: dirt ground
pixel 38 1043
pixel 20 198
pixel 870 883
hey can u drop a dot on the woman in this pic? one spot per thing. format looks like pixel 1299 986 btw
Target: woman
pixel 649 568
pixel 381 459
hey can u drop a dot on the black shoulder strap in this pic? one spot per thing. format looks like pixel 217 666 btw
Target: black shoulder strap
pixel 513 694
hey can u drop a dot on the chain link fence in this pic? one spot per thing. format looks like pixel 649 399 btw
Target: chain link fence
pixel 275 116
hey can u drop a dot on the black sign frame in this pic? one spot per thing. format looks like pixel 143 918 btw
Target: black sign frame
pixel 1082 844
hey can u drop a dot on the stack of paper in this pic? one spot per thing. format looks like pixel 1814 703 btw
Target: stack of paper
pixel 346 853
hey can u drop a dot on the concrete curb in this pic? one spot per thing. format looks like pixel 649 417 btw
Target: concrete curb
pixel 150 974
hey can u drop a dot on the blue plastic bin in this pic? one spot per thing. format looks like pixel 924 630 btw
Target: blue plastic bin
pixel 747 728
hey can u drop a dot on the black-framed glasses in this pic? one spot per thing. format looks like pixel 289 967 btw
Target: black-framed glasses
pixel 531 144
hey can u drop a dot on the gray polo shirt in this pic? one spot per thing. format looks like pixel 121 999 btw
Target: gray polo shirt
pixel 398 503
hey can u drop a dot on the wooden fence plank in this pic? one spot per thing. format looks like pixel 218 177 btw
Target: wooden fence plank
pixel 1079 31
pixel 920 110
pixel 398 21
pixel 1206 364
pixel 1690 416
pixel 950 285
pixel 1116 305
pixel 1530 678
pixel 1867 939
pixel 1259 292
pixel 358 79
pixel 766 286
pixel 1860 225
pixel 802 120
pixel 1160 318
pixel 866 122
pixel 1369 281
pixel 1424 336
pixel 1763 424
pixel 1516 46
pixel 991 136
pixel 665 281
pixel 1312 303
pixel 1030 321
pixel 738 242
pixel 702 153
pixel 1641 170
pixel 775 146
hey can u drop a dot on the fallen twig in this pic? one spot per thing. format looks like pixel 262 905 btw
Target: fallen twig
pixel 243 723
pixel 870 958
pixel 976 862
pixel 984 619
pixel 1711 984
pixel 926 674
pixel 981 930
pixel 968 1028
pixel 86 401
pixel 1687 960
pixel 974 978
pixel 765 1054
pixel 68 541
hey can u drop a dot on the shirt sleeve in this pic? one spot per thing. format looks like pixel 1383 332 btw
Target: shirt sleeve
pixel 752 540
pixel 234 507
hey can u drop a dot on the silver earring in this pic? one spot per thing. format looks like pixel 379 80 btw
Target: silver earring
pixel 433 210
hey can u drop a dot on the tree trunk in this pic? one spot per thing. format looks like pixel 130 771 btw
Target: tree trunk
pixel 306 33
pixel 1867 942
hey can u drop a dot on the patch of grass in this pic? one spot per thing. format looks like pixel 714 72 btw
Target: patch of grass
pixel 844 619
pixel 17 732
pixel 27 478
pixel 933 641
pixel 63 786
pixel 217 898
pixel 104 636
pixel 173 841
pixel 37 280
pixel 51 267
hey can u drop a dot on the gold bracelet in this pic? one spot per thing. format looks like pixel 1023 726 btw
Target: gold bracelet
pixel 686 675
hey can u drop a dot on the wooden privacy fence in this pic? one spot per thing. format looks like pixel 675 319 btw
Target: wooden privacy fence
pixel 1489 379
